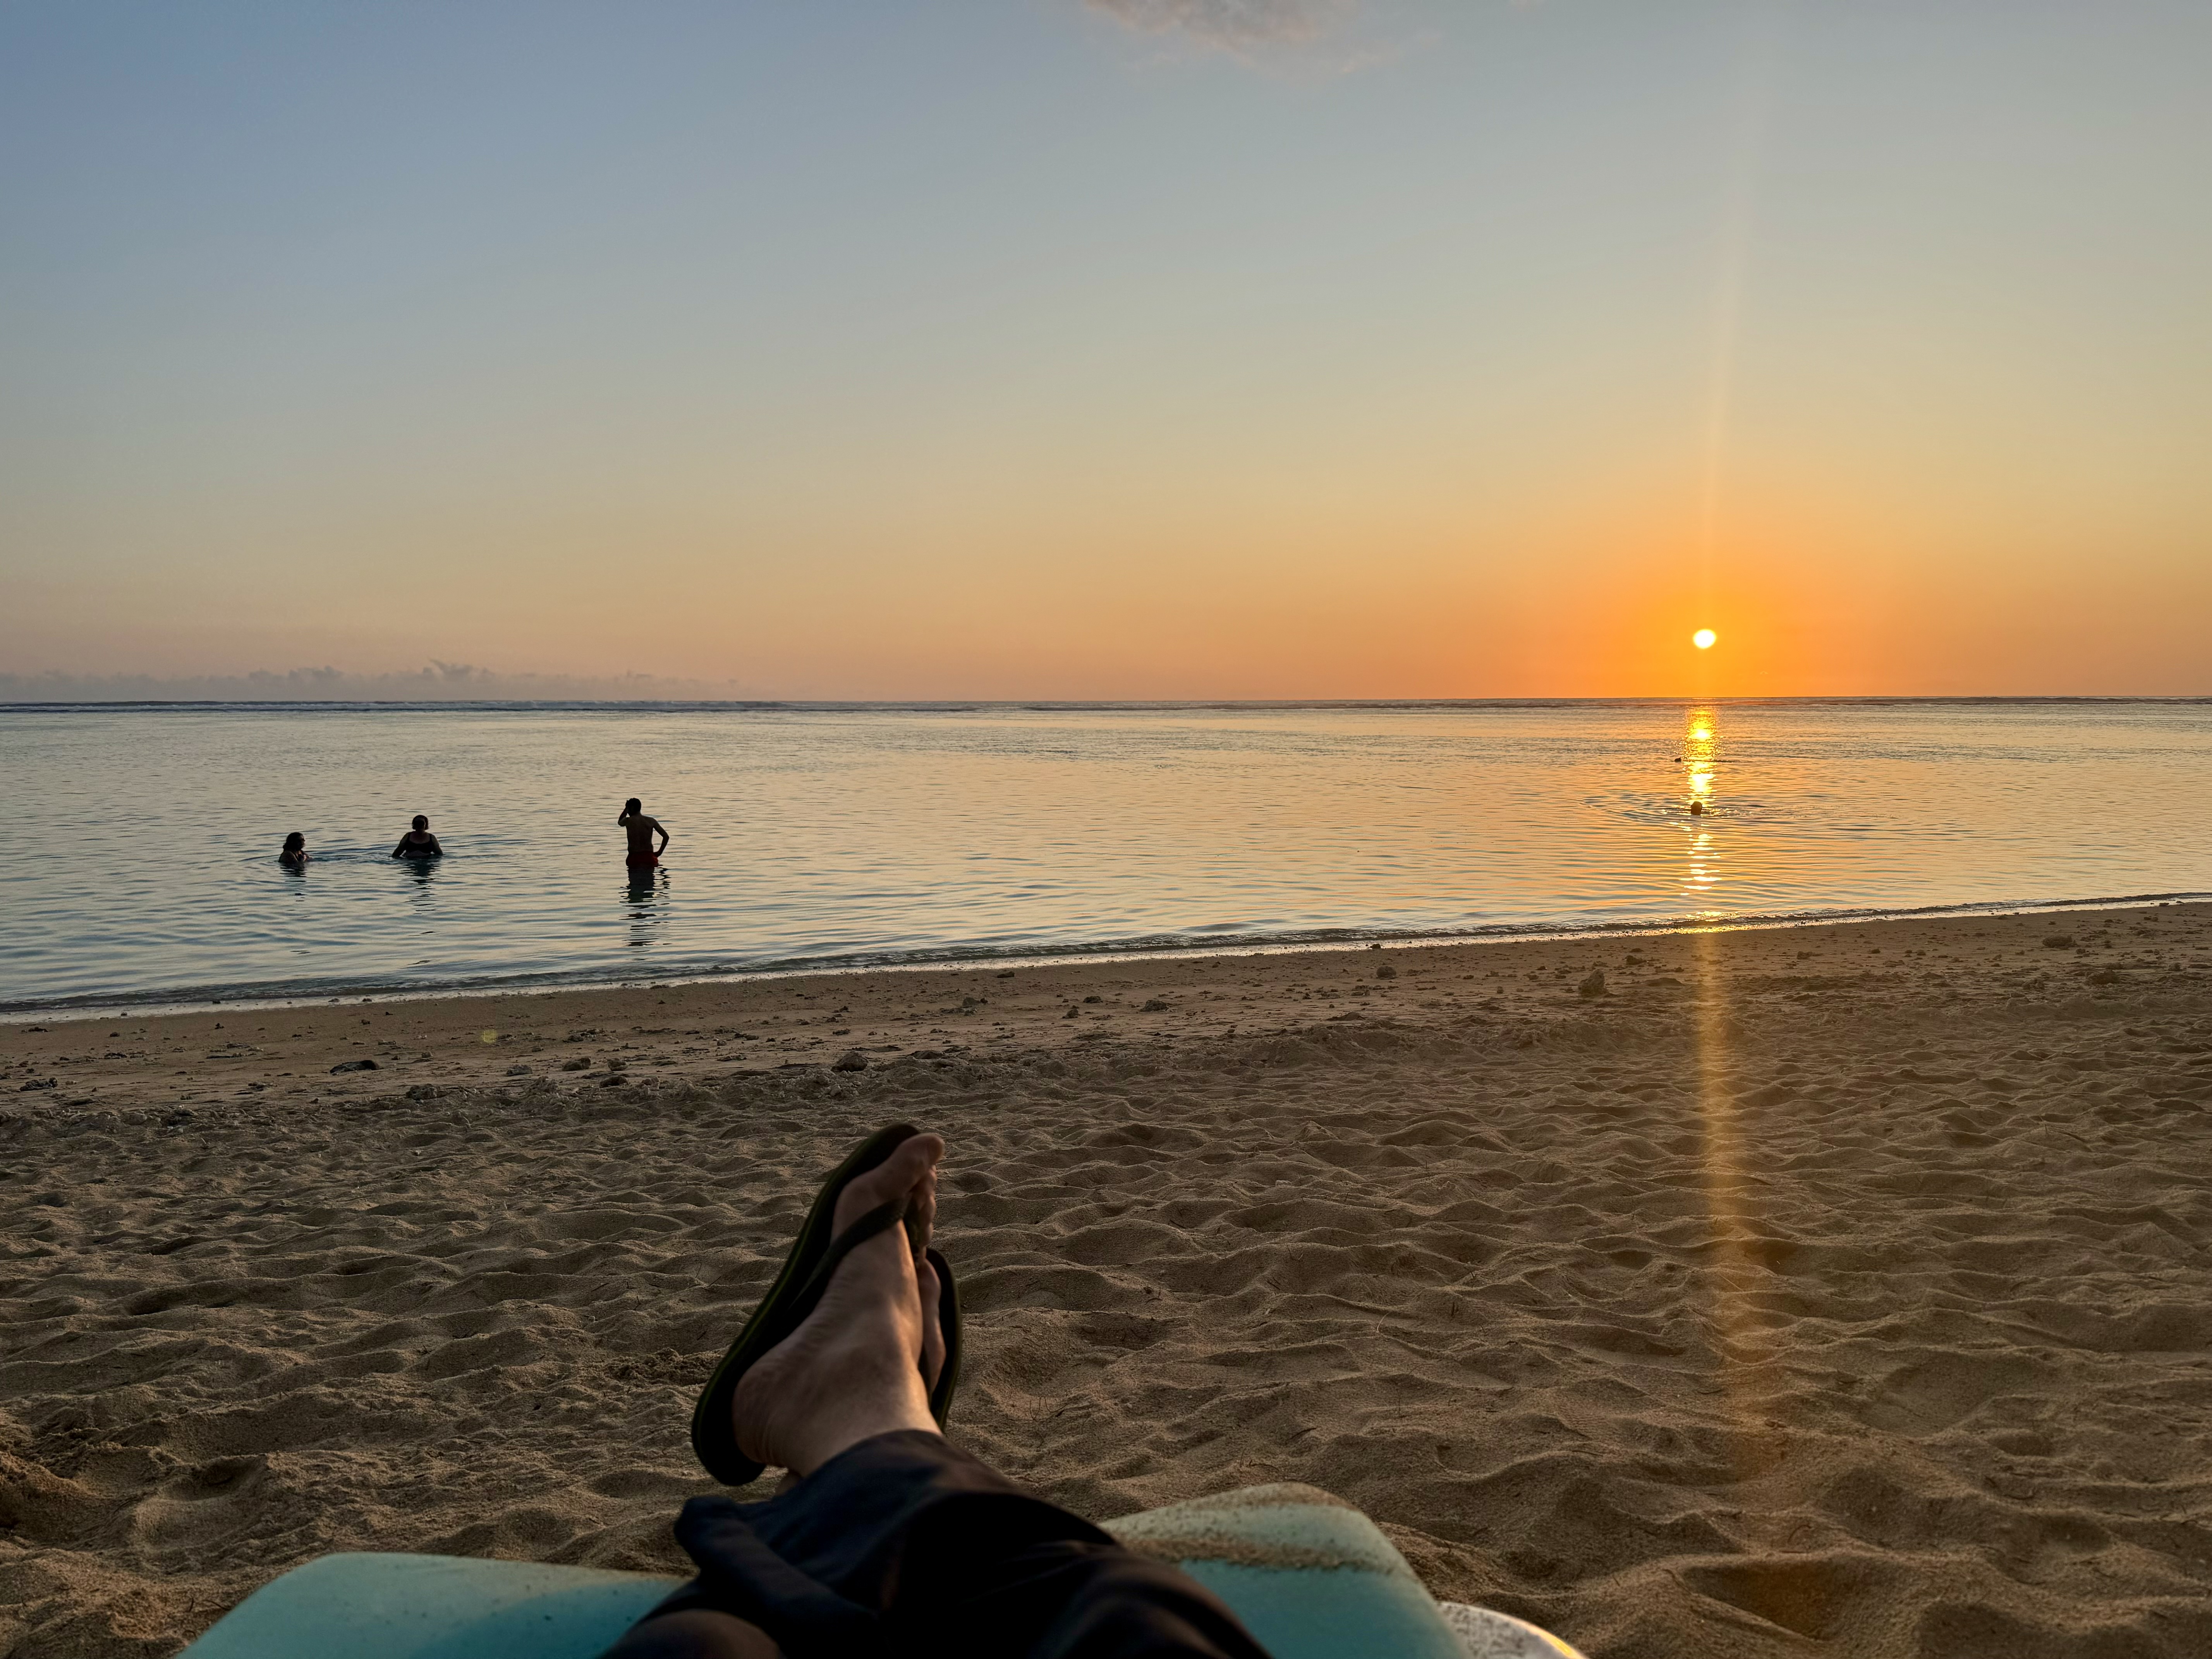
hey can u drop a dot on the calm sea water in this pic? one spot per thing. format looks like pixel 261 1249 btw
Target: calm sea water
pixel 137 860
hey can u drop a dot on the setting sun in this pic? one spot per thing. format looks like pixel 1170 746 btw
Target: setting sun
pixel 1704 638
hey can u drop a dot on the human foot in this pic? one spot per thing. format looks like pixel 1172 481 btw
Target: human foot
pixel 863 1362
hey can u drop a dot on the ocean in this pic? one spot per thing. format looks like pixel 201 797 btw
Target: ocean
pixel 138 855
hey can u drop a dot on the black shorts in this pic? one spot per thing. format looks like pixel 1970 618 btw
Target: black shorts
pixel 905 1545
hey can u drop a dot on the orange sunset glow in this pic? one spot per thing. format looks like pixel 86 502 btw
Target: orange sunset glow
pixel 1255 369
pixel 1419 790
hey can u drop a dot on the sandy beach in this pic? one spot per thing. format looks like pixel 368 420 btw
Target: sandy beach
pixel 1828 1290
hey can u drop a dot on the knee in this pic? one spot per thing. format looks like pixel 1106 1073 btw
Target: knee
pixel 695 1634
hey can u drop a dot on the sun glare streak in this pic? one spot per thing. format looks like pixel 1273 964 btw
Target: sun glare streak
pixel 1743 1336
pixel 1731 279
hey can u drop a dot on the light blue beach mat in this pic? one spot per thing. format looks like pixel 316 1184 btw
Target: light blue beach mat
pixel 1311 1577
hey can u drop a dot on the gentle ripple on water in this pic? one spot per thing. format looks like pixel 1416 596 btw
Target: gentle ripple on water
pixel 140 859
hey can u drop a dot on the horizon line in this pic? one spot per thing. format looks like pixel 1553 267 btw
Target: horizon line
pixel 955 704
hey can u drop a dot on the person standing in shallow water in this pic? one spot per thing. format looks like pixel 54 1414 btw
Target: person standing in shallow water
pixel 643 854
pixel 418 842
pixel 294 855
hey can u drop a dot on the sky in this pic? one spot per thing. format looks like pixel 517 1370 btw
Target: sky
pixel 1134 348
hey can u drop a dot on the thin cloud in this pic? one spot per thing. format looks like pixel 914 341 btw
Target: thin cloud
pixel 1234 26
pixel 440 681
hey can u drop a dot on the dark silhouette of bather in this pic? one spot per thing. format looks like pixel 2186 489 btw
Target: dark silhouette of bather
pixel 643 854
pixel 419 842
pixel 294 855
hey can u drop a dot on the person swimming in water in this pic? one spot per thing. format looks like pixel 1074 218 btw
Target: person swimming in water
pixel 643 854
pixel 294 855
pixel 419 842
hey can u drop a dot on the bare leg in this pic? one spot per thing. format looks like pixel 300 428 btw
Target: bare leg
pixel 855 1368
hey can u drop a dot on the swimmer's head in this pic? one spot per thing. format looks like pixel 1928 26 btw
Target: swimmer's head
pixel 422 822
pixel 632 807
pixel 294 841
pixel 1697 808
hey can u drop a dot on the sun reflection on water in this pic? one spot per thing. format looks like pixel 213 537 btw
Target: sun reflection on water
pixel 1701 873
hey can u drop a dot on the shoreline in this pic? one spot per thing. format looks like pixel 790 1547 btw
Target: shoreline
pixel 1841 1285
pixel 497 1037
pixel 197 999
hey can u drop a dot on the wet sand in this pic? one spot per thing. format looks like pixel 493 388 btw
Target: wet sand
pixel 1844 1289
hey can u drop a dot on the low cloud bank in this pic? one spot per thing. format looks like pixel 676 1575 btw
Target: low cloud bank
pixel 439 682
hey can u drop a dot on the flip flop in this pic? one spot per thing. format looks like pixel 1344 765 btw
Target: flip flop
pixel 815 1255
pixel 948 1326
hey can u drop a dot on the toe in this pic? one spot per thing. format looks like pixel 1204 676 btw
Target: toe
pixel 909 1172
pixel 921 1212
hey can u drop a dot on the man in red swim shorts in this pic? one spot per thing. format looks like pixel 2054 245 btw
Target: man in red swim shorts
pixel 643 854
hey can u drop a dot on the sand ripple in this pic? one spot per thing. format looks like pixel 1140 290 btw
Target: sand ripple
pixel 1885 1327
